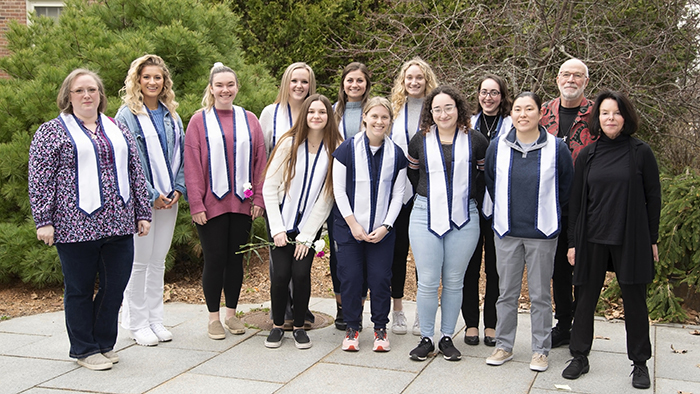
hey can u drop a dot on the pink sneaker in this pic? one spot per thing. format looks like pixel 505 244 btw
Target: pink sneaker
pixel 351 343
pixel 381 342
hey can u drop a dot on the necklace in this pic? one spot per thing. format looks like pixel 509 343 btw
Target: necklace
pixel 489 129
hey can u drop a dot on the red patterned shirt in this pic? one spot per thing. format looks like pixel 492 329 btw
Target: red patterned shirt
pixel 579 135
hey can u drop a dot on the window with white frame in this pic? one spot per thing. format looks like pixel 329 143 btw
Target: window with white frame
pixel 49 8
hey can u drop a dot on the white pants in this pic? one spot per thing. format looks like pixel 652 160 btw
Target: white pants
pixel 143 297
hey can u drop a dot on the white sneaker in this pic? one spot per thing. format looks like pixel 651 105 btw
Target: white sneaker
pixel 161 332
pixel 416 326
pixel 145 337
pixel 539 362
pixel 398 323
pixel 499 357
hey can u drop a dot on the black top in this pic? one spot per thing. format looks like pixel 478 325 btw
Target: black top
pixel 488 125
pixel 608 184
pixel 567 116
pixel 419 178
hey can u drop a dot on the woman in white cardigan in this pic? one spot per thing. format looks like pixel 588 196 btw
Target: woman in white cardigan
pixel 298 196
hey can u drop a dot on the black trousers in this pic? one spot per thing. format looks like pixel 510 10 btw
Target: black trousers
pixel 470 291
pixel 286 268
pixel 221 238
pixel 562 284
pixel 398 267
pixel 634 299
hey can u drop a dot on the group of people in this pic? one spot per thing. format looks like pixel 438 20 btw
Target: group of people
pixel 560 187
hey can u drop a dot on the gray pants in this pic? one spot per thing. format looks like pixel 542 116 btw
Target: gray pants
pixel 512 254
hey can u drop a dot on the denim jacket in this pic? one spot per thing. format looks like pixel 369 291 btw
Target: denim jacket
pixel 125 116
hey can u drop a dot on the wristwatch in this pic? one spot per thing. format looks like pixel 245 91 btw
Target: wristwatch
pixel 387 227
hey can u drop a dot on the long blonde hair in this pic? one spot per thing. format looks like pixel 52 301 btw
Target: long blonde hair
pixel 131 93
pixel 208 100
pixel 399 93
pixel 283 94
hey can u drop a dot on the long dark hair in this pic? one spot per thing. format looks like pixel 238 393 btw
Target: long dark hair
pixel 506 101
pixel 460 103
pixel 629 114
pixel 299 132
pixel 342 96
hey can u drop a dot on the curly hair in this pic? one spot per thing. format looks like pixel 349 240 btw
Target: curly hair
pixel 131 92
pixel 463 118
pixel 399 93
pixel 283 94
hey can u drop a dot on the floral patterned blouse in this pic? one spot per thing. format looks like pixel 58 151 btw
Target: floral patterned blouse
pixel 52 187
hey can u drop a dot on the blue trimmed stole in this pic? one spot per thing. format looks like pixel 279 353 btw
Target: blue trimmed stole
pixel 372 196
pixel 87 163
pixel 547 221
pixel 447 203
pixel 161 166
pixel 219 169
pixel 402 137
pixel 285 122
pixel 305 187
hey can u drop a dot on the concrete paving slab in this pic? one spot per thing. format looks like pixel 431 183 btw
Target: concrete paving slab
pixel 472 375
pixel 670 386
pixel 250 359
pixel 676 366
pixel 41 324
pixel 609 370
pixel 22 373
pixel 10 341
pixel 615 331
pixel 38 390
pixel 324 378
pixel 188 383
pixel 54 347
pixel 192 334
pixel 138 370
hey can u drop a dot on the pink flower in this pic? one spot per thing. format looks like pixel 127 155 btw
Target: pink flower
pixel 320 254
pixel 248 193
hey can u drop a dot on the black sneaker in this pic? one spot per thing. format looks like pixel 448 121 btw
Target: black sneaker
pixel 340 323
pixel 448 349
pixel 577 367
pixel 301 340
pixel 640 377
pixel 423 350
pixel 560 337
pixel 274 340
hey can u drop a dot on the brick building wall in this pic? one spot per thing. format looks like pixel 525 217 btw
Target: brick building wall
pixel 9 10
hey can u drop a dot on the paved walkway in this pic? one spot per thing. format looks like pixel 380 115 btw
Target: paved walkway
pixel 33 359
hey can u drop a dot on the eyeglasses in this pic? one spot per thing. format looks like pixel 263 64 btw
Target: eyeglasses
pixel 567 75
pixel 492 93
pixel 81 92
pixel 448 109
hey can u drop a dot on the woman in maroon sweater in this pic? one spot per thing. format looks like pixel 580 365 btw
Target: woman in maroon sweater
pixel 224 161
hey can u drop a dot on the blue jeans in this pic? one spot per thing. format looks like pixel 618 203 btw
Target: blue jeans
pixel 92 323
pixel 436 258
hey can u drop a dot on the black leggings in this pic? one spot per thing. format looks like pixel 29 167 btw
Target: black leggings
pixel 398 267
pixel 470 291
pixel 221 238
pixel 286 267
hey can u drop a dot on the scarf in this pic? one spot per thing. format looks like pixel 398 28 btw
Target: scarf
pixel 372 196
pixel 161 166
pixel 305 187
pixel 283 118
pixel 402 137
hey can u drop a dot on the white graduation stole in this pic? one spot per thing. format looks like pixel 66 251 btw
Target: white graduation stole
pixel 370 206
pixel 505 123
pixel 282 121
pixel 159 164
pixel 547 201
pixel 447 204
pixel 218 157
pixel 402 137
pixel 88 180
pixel 305 187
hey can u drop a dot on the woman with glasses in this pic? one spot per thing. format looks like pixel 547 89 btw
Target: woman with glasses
pixel 528 174
pixel 415 80
pixel 445 160
pixel 88 196
pixel 491 119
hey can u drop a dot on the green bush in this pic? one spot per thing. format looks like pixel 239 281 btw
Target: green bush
pixel 105 37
